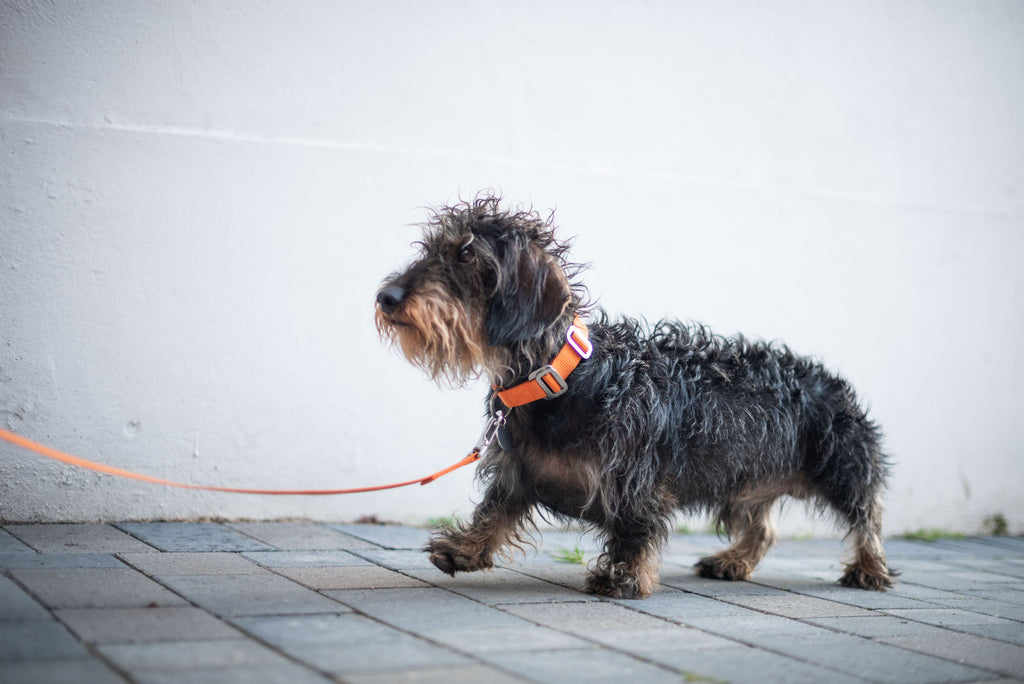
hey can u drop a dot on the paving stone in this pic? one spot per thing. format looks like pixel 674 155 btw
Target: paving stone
pixel 277 673
pixel 987 654
pixel 300 536
pixel 981 546
pixel 1013 594
pixel 587 618
pixel 995 608
pixel 95 588
pixel 914 565
pixel 618 627
pixel 183 656
pixel 898 549
pixel 16 605
pixel 480 640
pixel 37 640
pixel 1009 631
pixel 969 622
pixel 498 586
pixel 670 638
pixel 467 674
pixel 397 560
pixel 1007 568
pixel 388 536
pixel 312 630
pixel 947 617
pixel 77 538
pixel 591 666
pixel 568 575
pixel 754 628
pixel 798 606
pixel 214 563
pixel 744 665
pixel 342 644
pixel 1015 545
pixel 11 544
pixel 527 620
pixel 15 561
pixel 192 537
pixel 353 577
pixel 92 671
pixel 417 610
pixel 679 606
pixel 876 661
pixel 961 581
pixel 872 600
pixel 719 588
pixel 143 625
pixel 266 594
pixel 801 580
pixel 299 559
pixel 926 594
pixel 875 626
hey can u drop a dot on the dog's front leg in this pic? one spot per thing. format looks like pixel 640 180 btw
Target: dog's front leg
pixel 629 573
pixel 496 529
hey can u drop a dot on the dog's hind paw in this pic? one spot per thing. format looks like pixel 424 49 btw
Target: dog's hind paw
pixel 858 578
pixel 723 568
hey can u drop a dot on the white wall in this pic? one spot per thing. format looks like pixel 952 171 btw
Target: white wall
pixel 199 199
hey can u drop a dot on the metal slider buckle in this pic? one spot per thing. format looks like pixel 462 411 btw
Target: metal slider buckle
pixel 574 336
pixel 539 376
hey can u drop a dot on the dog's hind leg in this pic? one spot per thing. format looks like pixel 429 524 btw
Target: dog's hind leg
pixel 868 569
pixel 750 523
pixel 852 486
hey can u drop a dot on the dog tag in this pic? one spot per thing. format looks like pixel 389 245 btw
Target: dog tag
pixel 505 438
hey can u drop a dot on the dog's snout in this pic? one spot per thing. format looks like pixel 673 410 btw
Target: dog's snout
pixel 389 297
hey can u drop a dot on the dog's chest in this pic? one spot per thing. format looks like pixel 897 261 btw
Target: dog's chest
pixel 565 483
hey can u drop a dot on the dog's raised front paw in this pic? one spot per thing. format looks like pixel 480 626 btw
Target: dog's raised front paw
pixel 450 555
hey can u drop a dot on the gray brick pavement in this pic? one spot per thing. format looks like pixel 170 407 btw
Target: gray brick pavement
pixel 304 602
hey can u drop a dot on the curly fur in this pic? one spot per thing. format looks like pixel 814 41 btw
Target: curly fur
pixel 659 419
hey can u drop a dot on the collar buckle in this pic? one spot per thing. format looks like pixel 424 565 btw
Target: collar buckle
pixel 578 340
pixel 550 380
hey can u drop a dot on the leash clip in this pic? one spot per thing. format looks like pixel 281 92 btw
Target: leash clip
pixel 490 431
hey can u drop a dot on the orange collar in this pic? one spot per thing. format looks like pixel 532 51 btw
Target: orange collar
pixel 548 382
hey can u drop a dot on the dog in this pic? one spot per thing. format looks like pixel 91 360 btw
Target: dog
pixel 618 424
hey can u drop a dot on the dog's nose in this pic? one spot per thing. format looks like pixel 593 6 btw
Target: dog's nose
pixel 389 297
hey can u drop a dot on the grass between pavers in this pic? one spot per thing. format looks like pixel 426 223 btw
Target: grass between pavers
pixel 930 534
pixel 572 556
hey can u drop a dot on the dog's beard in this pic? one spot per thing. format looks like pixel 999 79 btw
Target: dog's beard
pixel 439 336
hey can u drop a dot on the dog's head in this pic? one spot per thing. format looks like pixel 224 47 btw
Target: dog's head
pixel 485 288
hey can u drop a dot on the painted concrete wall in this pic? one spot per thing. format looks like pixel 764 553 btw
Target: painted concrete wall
pixel 199 199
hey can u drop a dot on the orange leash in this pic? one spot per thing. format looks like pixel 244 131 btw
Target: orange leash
pixel 46 451
pixel 547 382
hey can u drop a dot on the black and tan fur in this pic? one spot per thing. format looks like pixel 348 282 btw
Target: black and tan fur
pixel 661 419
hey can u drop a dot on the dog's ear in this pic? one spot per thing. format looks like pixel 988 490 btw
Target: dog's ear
pixel 533 296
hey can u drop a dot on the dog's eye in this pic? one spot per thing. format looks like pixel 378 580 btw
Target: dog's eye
pixel 466 252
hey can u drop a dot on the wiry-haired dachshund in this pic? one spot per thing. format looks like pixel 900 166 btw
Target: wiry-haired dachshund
pixel 617 425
